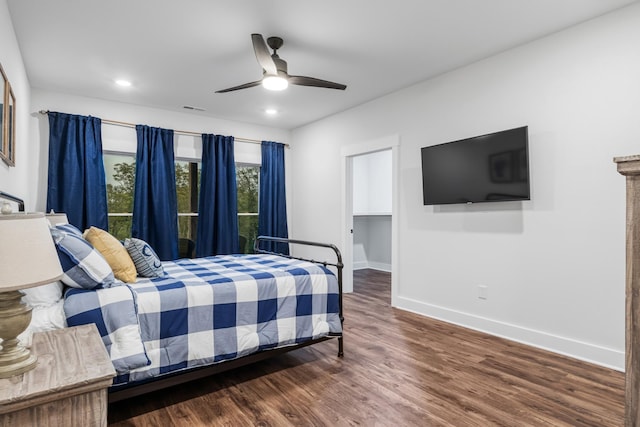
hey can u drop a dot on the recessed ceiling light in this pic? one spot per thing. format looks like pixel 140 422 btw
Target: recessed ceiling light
pixel 123 83
pixel 271 111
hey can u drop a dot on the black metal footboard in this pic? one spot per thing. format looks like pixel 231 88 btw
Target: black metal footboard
pixel 338 264
pixel 18 200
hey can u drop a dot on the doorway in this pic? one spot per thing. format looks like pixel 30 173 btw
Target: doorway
pixel 372 210
pixel 389 144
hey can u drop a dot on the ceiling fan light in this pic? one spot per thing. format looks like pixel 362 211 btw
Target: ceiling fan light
pixel 274 83
pixel 123 83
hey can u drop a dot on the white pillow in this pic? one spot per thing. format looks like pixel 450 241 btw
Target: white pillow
pixel 43 296
pixel 44 319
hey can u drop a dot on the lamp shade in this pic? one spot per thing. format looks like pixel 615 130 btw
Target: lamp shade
pixel 28 255
pixel 57 218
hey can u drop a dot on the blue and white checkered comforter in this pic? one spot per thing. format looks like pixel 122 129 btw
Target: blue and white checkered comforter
pixel 208 310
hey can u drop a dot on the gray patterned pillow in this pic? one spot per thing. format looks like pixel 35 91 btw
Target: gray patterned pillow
pixel 144 257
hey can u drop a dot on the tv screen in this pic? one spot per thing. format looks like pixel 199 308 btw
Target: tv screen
pixel 487 168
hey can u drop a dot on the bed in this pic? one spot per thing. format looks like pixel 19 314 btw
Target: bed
pixel 211 312
pixel 200 317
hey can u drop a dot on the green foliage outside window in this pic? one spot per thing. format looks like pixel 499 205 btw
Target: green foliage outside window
pixel 247 181
pixel 120 183
pixel 187 181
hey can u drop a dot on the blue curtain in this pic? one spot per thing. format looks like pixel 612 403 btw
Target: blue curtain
pixel 155 206
pixel 218 205
pixel 76 183
pixel 272 213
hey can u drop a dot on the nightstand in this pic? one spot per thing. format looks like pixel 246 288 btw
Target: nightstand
pixel 69 385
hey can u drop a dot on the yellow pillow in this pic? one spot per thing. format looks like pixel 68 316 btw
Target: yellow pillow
pixel 112 250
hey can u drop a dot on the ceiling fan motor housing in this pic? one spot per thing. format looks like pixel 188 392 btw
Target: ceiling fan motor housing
pixel 275 43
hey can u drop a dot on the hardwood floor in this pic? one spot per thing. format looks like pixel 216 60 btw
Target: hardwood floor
pixel 399 369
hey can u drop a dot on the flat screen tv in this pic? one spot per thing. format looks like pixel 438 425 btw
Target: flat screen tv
pixel 486 168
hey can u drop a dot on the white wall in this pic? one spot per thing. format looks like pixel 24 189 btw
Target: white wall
pixel 372 242
pixel 19 180
pixel 123 139
pixel 372 183
pixel 554 266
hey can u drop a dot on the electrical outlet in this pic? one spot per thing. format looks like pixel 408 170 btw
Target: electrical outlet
pixel 483 291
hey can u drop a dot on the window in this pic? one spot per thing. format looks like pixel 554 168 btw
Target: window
pixel 120 172
pixel 120 177
pixel 187 180
pixel 247 180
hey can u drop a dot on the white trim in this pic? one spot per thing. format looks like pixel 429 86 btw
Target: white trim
pixel 373 265
pixel 346 177
pixel 381 266
pixel 372 146
pixel 592 353
pixel 347 152
pixel 360 265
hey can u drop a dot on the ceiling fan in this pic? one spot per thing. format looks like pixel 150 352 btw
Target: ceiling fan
pixel 275 76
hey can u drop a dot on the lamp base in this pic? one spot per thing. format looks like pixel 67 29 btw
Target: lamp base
pixel 18 363
pixel 15 317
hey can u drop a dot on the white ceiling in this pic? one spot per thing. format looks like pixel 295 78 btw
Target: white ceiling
pixel 178 53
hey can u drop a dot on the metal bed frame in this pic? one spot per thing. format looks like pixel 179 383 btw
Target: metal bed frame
pixel 18 200
pixel 126 391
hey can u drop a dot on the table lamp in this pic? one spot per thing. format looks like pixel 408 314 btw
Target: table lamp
pixel 28 258
pixel 57 218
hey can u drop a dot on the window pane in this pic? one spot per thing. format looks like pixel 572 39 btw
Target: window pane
pixel 120 172
pixel 187 226
pixel 248 226
pixel 187 181
pixel 120 226
pixel 247 181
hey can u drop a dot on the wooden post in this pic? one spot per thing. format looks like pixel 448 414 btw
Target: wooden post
pixel 630 167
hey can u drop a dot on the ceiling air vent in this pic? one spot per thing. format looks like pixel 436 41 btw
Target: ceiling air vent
pixel 190 107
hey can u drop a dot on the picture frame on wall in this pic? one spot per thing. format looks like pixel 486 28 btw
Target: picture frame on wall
pixel 7 121
pixel 3 85
pixel 10 126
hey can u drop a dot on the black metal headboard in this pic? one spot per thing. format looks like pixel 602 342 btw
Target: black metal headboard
pixel 18 200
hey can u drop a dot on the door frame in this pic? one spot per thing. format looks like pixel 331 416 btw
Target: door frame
pixel 348 152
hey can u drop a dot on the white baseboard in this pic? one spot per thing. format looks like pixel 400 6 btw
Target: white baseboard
pixel 603 356
pixel 380 266
pixel 361 265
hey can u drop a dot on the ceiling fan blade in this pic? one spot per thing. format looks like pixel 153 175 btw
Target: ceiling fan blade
pixel 244 86
pixel 263 55
pixel 311 81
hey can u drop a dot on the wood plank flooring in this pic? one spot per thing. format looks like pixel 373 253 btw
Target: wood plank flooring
pixel 399 369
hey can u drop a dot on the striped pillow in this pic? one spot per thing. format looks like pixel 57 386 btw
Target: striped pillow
pixel 147 263
pixel 83 267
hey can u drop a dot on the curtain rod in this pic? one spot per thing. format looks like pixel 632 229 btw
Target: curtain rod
pixel 180 132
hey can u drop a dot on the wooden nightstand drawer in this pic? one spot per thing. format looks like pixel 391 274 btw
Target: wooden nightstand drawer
pixel 69 385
